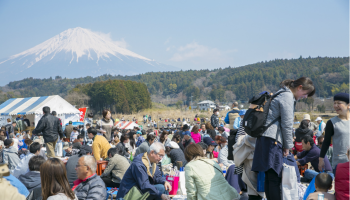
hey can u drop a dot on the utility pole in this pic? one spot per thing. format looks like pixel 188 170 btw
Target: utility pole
pixel 191 102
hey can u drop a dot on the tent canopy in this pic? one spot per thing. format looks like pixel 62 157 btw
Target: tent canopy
pixel 126 125
pixel 34 105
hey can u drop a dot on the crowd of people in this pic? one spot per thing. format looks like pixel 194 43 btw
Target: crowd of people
pixel 219 161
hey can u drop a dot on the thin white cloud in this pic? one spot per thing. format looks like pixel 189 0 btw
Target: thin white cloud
pixel 167 41
pixel 194 50
pixel 121 43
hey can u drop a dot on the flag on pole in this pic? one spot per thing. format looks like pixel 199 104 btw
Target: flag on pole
pixel 82 114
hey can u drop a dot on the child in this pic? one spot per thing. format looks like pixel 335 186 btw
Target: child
pixel 74 134
pixel 323 182
pixel 10 155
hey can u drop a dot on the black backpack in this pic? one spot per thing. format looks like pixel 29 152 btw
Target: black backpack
pixel 255 118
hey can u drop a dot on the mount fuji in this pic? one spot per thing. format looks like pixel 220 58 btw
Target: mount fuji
pixel 76 52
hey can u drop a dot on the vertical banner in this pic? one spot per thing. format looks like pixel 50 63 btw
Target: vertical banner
pixel 82 114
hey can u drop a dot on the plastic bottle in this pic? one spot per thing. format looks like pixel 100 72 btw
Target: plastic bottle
pixel 131 157
pixel 224 170
pixel 320 196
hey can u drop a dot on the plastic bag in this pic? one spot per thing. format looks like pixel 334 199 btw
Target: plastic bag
pixel 289 183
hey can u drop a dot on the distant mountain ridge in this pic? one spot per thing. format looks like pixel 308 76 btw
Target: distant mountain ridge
pixel 328 74
pixel 76 52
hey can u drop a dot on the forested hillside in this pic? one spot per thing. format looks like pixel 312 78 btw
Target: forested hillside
pixel 330 75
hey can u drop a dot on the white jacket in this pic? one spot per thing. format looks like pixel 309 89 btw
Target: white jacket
pixel 22 167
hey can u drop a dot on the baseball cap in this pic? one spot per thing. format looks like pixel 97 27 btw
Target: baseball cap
pixel 208 141
pixel 7 142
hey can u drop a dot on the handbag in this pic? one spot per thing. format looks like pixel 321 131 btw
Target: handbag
pixel 135 194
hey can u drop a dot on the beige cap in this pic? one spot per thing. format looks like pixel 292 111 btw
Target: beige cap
pixel 307 117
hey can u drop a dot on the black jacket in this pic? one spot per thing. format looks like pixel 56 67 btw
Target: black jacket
pixel 214 120
pixel 50 128
pixel 300 133
pixel 177 155
pixel 212 133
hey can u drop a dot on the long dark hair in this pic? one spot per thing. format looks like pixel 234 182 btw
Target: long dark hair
pixel 54 179
pixel 305 82
pixel 162 136
pixel 131 138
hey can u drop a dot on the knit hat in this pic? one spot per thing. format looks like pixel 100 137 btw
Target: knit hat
pixel 208 141
pixel 85 149
pixel 342 97
pixel 7 142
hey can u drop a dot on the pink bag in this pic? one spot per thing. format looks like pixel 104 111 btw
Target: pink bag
pixel 174 182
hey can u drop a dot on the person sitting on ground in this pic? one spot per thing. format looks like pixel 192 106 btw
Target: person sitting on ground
pixel 140 139
pixel 8 191
pixel 222 132
pixel 164 137
pixel 145 175
pixel 74 134
pixel 323 183
pixel 88 185
pixel 300 132
pixel 116 168
pixel 54 182
pixel 329 153
pixel 210 150
pixel 100 145
pixel 124 145
pixel 73 161
pixel 222 158
pixel 341 181
pixel 196 136
pixel 187 139
pixel 15 140
pixel 22 167
pixel 32 178
pixel 238 120
pixel 217 140
pixel 174 152
pixel 208 182
pixel 311 154
pixel 10 155
pixel 177 139
pixel 115 141
pixel 18 184
pixel 312 126
pixel 145 145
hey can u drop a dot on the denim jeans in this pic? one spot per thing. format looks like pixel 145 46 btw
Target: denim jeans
pixel 310 174
pixel 161 189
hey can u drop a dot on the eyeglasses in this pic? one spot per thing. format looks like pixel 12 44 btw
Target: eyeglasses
pixel 76 166
pixel 161 156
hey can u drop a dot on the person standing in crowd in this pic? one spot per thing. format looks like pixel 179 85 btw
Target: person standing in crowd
pixel 208 182
pixel 232 115
pixel 54 182
pixel 311 154
pixel 276 141
pixel 214 120
pixel 88 185
pixel 32 178
pixel 301 132
pixel 116 168
pixel 100 145
pixel 210 130
pixel 69 129
pixel 329 153
pixel 145 174
pixel 105 125
pixel 22 167
pixel 312 126
pixel 196 136
pixel 26 121
pixel 238 120
pixel 321 126
pixel 10 155
pixel 73 161
pixel 337 128
pixel 174 152
pixel 50 128
pixel 88 120
pixel 145 145
pixel 9 128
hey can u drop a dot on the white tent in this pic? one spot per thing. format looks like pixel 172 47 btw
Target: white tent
pixel 32 107
pixel 126 125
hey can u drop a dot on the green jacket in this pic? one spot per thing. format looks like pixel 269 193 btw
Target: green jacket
pixel 116 167
pixel 205 182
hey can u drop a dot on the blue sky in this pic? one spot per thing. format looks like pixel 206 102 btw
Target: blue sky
pixel 188 34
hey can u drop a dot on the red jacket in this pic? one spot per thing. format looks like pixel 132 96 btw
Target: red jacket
pixel 342 181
